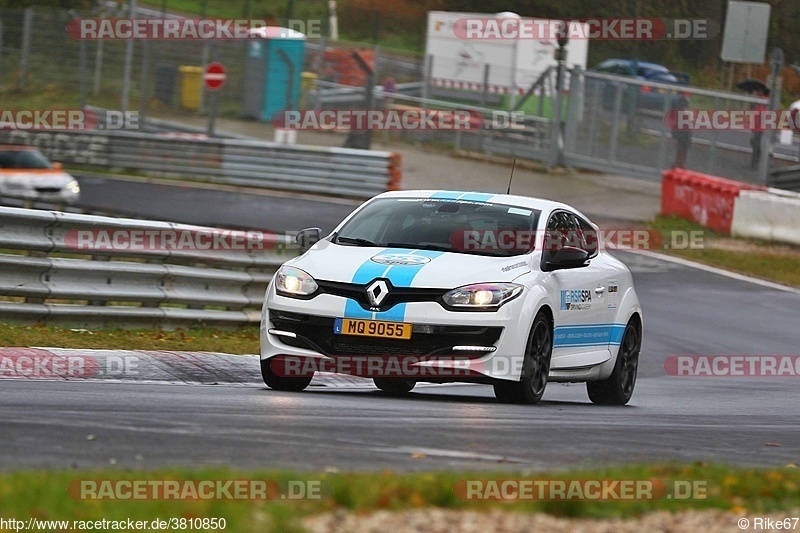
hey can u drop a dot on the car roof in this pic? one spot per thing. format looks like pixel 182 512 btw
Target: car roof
pixel 631 62
pixel 539 204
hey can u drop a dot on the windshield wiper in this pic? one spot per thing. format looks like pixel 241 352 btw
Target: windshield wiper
pixel 355 240
pixel 435 247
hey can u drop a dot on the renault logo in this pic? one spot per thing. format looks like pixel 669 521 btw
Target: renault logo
pixel 377 291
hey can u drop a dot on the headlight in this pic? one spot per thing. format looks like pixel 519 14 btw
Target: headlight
pixel 73 186
pixel 482 296
pixel 290 281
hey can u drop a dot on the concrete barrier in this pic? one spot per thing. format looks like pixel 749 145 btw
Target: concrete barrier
pixel 771 215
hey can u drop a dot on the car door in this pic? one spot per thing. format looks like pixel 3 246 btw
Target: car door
pixel 582 319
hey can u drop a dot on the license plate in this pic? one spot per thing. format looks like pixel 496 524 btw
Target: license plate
pixel 372 328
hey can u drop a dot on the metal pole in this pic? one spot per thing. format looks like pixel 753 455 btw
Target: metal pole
pixel 143 95
pixel 290 85
pixel 27 27
pixel 98 68
pixel 212 115
pixel 1 46
pixel 768 137
pixel 83 68
pixel 126 73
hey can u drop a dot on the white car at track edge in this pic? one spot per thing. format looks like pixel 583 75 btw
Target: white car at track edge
pixel 450 286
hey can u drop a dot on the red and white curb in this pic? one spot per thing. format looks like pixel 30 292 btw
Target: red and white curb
pixel 147 366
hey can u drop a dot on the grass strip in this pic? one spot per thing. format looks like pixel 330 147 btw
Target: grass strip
pixel 44 495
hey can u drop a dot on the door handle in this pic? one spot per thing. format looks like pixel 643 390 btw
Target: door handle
pixel 600 290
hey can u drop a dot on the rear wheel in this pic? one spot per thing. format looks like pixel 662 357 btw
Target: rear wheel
pixel 395 386
pixel 535 368
pixel 282 383
pixel 618 388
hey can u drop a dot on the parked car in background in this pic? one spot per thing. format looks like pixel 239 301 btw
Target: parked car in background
pixel 27 174
pixel 642 96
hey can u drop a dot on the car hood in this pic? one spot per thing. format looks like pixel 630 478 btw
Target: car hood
pixel 31 179
pixel 407 267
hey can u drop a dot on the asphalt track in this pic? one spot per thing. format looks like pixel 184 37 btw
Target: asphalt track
pixel 338 424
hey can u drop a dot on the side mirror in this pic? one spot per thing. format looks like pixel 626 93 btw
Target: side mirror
pixel 566 258
pixel 308 237
pixel 57 166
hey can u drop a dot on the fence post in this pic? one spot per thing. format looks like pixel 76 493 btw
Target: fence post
pixel 143 92
pixel 768 136
pixel 1 47
pixel 556 131
pixel 27 28
pixel 574 109
pixel 83 67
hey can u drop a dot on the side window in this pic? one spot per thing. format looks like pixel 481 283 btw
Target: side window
pixel 589 237
pixel 561 231
pixel 568 229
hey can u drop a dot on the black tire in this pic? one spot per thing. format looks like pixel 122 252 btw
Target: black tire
pixel 395 386
pixel 282 383
pixel 618 388
pixel 535 369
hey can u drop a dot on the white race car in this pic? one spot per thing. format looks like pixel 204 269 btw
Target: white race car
pixel 445 286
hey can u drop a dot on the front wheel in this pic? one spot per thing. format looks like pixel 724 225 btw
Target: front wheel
pixel 535 368
pixel 282 383
pixel 618 388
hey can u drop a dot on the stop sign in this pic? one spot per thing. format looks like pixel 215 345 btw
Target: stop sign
pixel 214 77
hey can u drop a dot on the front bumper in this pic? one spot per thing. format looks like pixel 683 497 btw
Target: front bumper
pixel 445 346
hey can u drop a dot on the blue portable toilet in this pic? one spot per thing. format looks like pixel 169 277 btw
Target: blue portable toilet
pixel 273 71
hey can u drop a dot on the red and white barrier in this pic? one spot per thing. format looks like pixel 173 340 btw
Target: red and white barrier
pixel 707 200
pixel 731 207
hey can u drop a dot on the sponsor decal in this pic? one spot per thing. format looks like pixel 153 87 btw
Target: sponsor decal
pixel 400 259
pixel 515 266
pixel 579 300
pixel 588 335
pixel 613 294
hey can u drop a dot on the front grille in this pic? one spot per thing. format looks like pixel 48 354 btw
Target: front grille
pixel 316 333
pixel 396 294
pixel 47 190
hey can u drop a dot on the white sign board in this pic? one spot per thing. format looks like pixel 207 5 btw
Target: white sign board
pixel 746 31
pixel 516 64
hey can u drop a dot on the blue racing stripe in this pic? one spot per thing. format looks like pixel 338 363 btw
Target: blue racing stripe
pixel 588 335
pixel 446 195
pixel 477 197
pixel 398 275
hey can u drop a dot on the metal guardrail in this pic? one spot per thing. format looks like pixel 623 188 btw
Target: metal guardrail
pixel 785 178
pixel 71 275
pixel 252 163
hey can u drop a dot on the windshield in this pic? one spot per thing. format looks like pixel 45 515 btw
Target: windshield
pixel 448 225
pixel 23 159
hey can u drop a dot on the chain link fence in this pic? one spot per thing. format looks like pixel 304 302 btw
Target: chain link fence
pixel 603 122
